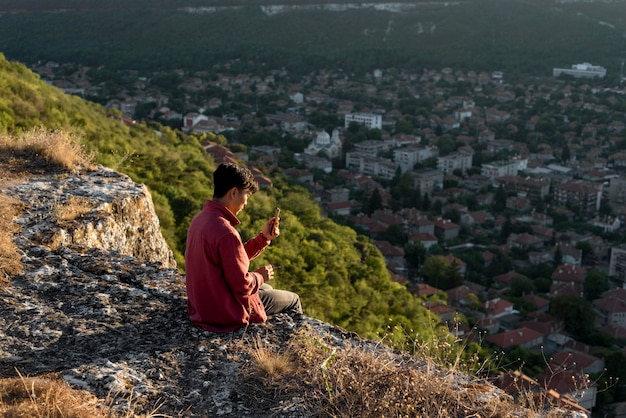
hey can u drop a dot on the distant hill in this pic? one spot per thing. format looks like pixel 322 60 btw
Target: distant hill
pixel 519 37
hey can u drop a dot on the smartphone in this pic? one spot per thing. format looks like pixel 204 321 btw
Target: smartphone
pixel 276 215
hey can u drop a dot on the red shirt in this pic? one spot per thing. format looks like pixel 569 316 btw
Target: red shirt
pixel 221 292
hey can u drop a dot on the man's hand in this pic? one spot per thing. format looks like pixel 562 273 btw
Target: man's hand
pixel 267 272
pixel 271 229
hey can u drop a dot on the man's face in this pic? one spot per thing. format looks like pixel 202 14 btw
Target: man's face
pixel 240 200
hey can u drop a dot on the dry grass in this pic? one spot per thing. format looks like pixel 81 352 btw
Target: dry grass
pixel 10 262
pixel 38 151
pixel 49 396
pixel 270 364
pixel 46 396
pixel 57 149
pixel 72 209
pixel 359 382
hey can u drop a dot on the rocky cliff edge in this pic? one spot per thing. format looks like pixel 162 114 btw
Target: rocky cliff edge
pixel 100 303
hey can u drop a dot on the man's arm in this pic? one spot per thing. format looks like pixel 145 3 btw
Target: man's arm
pixel 256 245
pixel 235 263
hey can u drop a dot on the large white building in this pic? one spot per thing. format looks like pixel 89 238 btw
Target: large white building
pixel 584 70
pixel 503 168
pixel 370 120
pixel 358 162
pixel 461 160
pixel 407 157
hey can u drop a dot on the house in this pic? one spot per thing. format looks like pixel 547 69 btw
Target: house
pixel 517 384
pixel 568 279
pixel 444 312
pixel 391 253
pixel 572 384
pixel 611 307
pixel 497 308
pixel 584 363
pixel 524 241
pixel 541 304
pixel 424 225
pixel 339 208
pixel 424 290
pixel 476 218
pixel 544 323
pixel 299 175
pixel 427 240
pixel 465 294
pixel 505 279
pixel 445 229
pixel 523 337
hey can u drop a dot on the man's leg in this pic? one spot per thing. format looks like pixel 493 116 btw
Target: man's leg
pixel 276 300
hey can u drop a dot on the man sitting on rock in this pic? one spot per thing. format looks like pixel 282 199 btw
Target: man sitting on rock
pixel 222 295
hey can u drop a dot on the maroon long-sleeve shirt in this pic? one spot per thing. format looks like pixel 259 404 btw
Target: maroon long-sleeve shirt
pixel 221 292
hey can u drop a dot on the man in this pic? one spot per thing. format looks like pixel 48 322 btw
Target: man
pixel 222 295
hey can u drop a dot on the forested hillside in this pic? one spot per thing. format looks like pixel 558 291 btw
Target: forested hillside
pixel 520 37
pixel 341 276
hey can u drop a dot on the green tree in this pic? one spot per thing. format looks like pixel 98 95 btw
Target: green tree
pixel 521 285
pixel 440 272
pixel 576 313
pixel 585 247
pixel 414 253
pixel 375 202
pixel 558 256
pixel 566 154
pixel 395 235
pixel 499 199
pixel 595 284
pixel 446 145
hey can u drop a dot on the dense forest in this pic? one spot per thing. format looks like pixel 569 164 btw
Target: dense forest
pixel 163 35
pixel 340 275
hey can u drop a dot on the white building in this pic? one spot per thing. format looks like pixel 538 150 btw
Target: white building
pixel 324 143
pixel 427 180
pixel 358 162
pixel 407 157
pixel 584 70
pixel 461 160
pixel 370 120
pixel 371 148
pixel 503 168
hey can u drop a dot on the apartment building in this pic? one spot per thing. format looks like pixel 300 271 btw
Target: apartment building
pixel 427 180
pixel 617 191
pixel 584 70
pixel 370 120
pixel 358 162
pixel 504 168
pixel 583 194
pixel 535 189
pixel 407 157
pixel 461 160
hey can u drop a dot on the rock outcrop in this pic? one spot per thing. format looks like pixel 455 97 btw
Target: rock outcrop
pixel 101 303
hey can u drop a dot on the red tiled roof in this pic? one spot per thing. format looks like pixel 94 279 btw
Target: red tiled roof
pixel 515 337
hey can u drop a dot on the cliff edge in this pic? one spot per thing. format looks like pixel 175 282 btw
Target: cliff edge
pixel 98 301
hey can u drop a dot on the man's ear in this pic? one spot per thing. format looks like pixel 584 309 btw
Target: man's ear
pixel 232 193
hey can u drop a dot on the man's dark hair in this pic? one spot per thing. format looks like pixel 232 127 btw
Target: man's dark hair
pixel 229 175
